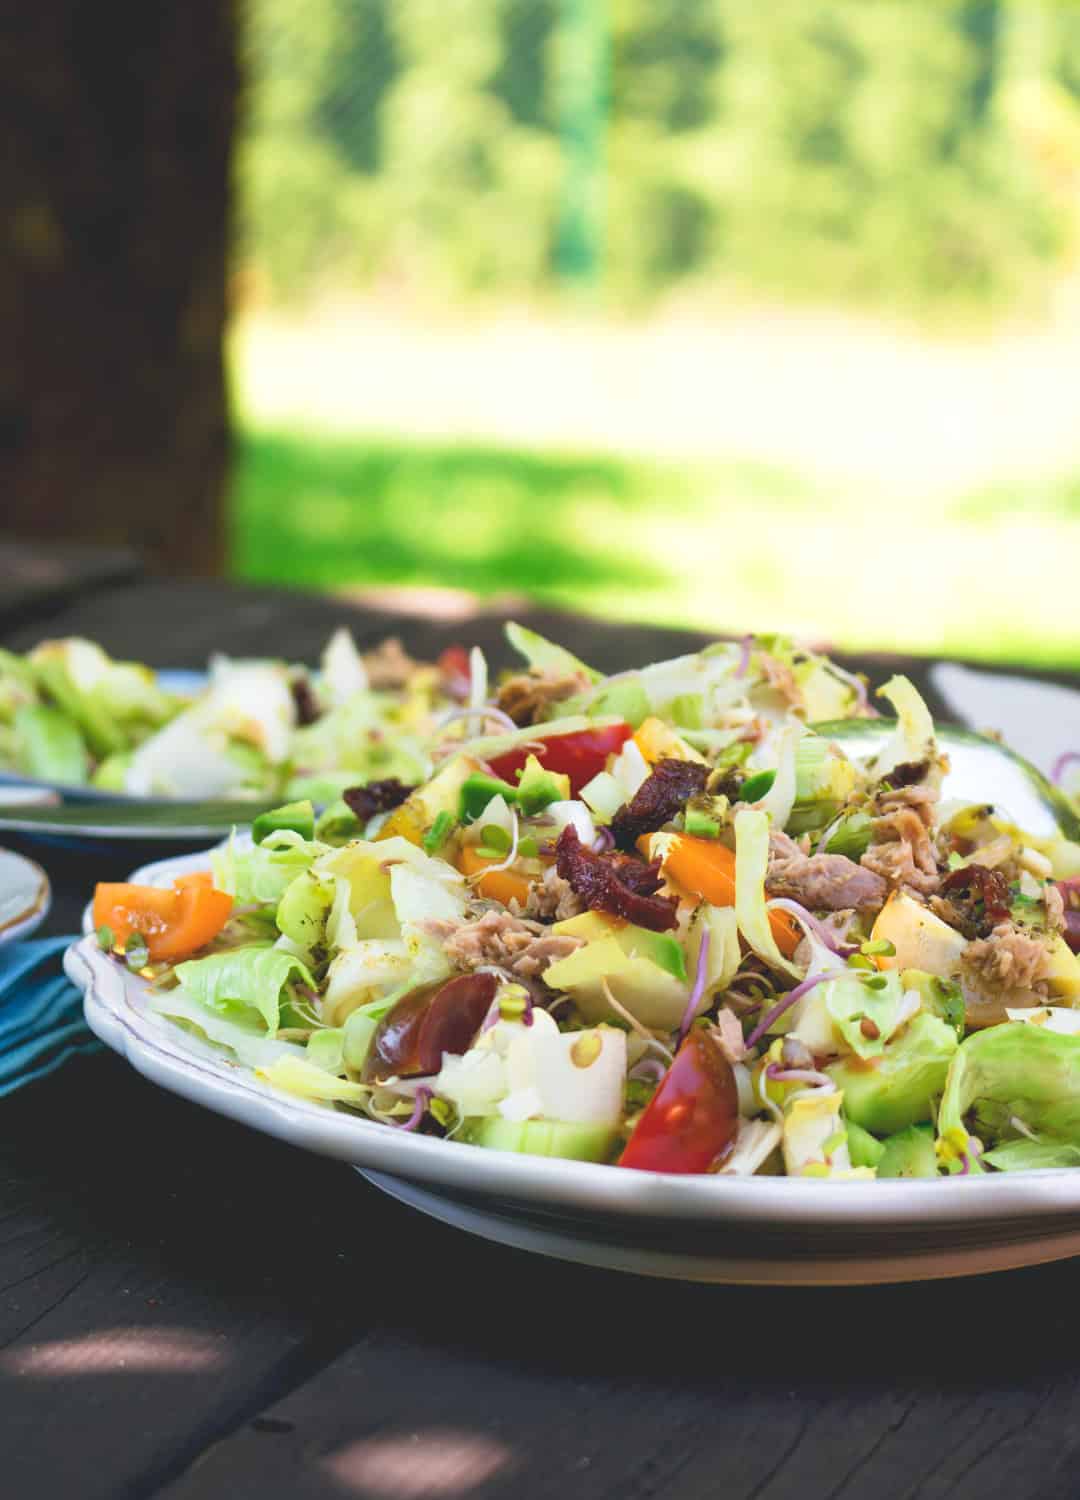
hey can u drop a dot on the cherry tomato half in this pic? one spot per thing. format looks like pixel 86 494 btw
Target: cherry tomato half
pixel 580 755
pixel 693 1115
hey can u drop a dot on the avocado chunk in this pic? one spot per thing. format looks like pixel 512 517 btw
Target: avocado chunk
pixel 541 1137
pixel 660 948
pixel 909 1153
pixel 295 817
pixel 890 1092
pixel 477 791
pixel 537 788
pixel 864 1149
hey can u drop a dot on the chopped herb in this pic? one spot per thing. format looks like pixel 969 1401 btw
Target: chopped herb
pixel 136 955
pixel 493 836
pixel 879 947
pixel 438 833
pixel 512 1004
pixel 106 939
pixel 441 1112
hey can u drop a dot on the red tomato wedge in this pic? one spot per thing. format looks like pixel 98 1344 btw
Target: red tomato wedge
pixel 580 755
pixel 173 922
pixel 692 1117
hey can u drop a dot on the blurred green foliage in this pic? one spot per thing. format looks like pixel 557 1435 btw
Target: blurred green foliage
pixel 921 155
pixel 729 545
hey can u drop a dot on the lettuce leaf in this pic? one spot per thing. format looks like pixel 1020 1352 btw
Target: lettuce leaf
pixel 1012 1071
pixel 545 655
pixel 253 978
pixel 263 872
pixel 244 1033
pixel 751 863
pixel 295 1075
pixel 913 739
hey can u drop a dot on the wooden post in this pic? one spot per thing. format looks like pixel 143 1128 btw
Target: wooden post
pixel 113 417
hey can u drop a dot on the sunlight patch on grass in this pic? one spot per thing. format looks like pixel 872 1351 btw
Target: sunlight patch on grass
pixel 724 547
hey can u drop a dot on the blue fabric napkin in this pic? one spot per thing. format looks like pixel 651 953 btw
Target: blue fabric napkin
pixel 41 1014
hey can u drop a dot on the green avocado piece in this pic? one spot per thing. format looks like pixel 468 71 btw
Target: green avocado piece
pixel 297 817
pixel 541 1137
pixel 887 1093
pixel 477 791
pixel 755 787
pixel 537 788
pixel 337 824
pixel 909 1153
pixel 865 1149
pixel 660 948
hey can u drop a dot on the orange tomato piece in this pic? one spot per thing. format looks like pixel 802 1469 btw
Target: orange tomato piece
pixel 500 885
pixel 707 869
pixel 173 922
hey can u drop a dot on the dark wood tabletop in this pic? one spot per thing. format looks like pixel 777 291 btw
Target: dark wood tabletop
pixel 190 1309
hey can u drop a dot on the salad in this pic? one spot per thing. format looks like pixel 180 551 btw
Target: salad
pixel 69 713
pixel 661 922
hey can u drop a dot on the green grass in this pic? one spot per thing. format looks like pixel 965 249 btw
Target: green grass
pixel 720 546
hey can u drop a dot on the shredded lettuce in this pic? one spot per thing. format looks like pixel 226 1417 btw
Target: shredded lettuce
pixel 725 955
pixel 254 978
pixel 913 739
pixel 543 654
pixel 343 673
pixel 1012 1071
pixel 262 872
pixel 326 1049
pixel 751 864
pixel 1031 1156
pixel 780 798
pixel 354 737
pixel 882 1001
pixel 295 1075
pixel 242 1031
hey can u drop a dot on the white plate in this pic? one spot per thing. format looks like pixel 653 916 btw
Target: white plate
pixel 711 1228
pixel 765 1230
pixel 1040 720
pixel 25 896
pixel 720 1254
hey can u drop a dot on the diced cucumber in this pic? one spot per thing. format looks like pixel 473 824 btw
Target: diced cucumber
pixel 909 1153
pixel 541 1137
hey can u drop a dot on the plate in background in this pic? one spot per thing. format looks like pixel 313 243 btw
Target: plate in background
pixel 25 896
pixel 177 681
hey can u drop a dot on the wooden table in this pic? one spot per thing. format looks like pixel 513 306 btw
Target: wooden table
pixel 189 1309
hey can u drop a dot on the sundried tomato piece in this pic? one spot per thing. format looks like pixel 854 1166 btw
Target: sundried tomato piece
pixel 376 797
pixel 657 800
pixel 615 883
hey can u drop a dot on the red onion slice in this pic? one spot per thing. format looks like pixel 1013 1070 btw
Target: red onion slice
pixel 699 984
pixel 1062 764
pixel 813 926
pixel 423 1096
pixel 787 1001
